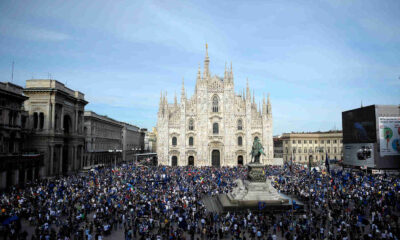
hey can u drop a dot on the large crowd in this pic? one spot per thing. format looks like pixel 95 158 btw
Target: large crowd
pixel 166 203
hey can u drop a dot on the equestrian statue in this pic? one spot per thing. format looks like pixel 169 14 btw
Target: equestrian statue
pixel 256 150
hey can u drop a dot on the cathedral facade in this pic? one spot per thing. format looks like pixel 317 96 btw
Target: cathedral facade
pixel 214 127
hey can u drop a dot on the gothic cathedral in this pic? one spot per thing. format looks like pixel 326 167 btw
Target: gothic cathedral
pixel 215 127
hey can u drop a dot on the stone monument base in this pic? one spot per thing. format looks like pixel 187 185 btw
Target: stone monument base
pixel 256 193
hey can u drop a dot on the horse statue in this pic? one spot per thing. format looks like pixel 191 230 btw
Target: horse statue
pixel 256 150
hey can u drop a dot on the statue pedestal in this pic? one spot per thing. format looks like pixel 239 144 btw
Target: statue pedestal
pixel 255 193
pixel 255 172
pixel 255 189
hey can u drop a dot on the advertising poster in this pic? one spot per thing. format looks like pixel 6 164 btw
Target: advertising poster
pixel 359 154
pixel 389 136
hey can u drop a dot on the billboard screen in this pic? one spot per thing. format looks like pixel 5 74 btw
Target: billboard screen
pixel 389 136
pixel 359 154
pixel 359 125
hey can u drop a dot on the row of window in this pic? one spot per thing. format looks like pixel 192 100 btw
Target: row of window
pixel 215 125
pixel 310 141
pixel 310 150
pixel 191 141
pixel 306 158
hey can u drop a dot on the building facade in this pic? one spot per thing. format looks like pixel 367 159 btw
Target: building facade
pixel 132 141
pixel 19 162
pixel 56 119
pixel 215 127
pixel 151 144
pixel 103 140
pixel 278 147
pixel 302 147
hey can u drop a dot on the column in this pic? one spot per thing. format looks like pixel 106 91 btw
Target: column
pixel 76 121
pixel 51 159
pixel 60 167
pixel 62 118
pixel 53 116
pixel 16 176
pixel 75 156
pixel 3 179
pixel 26 175
pixel 81 151
pixel 83 122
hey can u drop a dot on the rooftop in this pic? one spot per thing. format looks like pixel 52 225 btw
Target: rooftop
pixel 11 87
pixel 34 84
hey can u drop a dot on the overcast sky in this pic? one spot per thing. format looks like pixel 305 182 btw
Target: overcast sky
pixel 316 58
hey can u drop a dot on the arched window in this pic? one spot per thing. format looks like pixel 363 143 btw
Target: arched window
pixel 215 104
pixel 190 141
pixel 239 124
pixel 35 120
pixel 240 141
pixel 10 118
pixel 215 128
pixel 55 122
pixel 174 141
pixel 41 120
pixel 191 124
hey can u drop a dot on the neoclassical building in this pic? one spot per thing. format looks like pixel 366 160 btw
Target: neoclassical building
pixel 216 126
pixel 314 146
pixel 19 162
pixel 56 121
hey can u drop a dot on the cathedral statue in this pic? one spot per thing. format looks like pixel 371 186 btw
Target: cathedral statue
pixel 256 150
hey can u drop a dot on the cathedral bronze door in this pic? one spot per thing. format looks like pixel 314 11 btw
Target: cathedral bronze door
pixel 174 161
pixel 191 161
pixel 215 158
pixel 240 160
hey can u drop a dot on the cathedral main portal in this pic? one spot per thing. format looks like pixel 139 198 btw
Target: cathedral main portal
pixel 215 158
